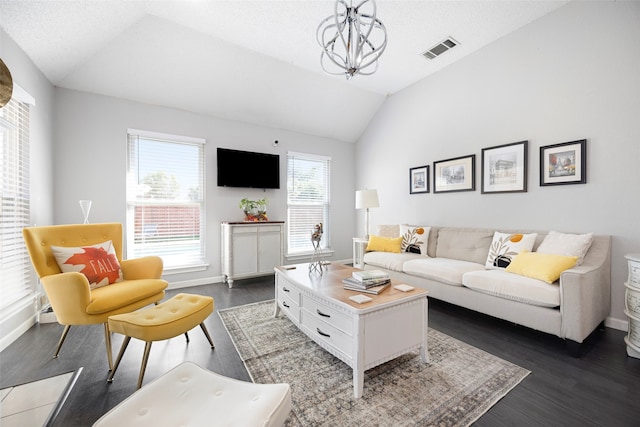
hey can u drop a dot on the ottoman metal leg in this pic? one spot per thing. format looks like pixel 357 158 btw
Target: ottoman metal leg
pixel 206 334
pixel 145 359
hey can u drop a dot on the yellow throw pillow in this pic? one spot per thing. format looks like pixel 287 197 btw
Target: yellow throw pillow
pixel 384 244
pixel 541 266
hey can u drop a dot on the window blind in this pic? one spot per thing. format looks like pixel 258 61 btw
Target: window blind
pixel 15 281
pixel 165 198
pixel 308 197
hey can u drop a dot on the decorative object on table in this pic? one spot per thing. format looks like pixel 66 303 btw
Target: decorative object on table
pixel 632 305
pixel 369 281
pixel 419 180
pixel 85 205
pixel 564 163
pixel 6 84
pixel 316 263
pixel 352 39
pixel 254 210
pixel 367 199
pixel 504 168
pixel 457 174
pixel 404 385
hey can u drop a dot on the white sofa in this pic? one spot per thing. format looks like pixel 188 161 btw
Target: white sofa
pixel 454 270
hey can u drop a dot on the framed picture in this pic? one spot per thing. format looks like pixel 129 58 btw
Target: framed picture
pixel 564 163
pixel 504 168
pixel 457 174
pixel 419 180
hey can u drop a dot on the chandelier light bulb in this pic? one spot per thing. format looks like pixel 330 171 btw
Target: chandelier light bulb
pixel 352 39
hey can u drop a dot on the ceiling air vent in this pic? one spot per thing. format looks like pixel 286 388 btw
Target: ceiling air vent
pixel 440 48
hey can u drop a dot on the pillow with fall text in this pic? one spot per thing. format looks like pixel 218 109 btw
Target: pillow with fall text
pixel 98 263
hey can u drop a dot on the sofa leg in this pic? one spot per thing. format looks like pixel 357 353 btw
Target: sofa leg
pixel 573 348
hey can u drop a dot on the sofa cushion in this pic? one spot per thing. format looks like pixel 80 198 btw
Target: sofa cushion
pixel 384 244
pixel 414 238
pixel 547 267
pixel 442 269
pixel 505 246
pixel 388 230
pixel 388 260
pixel 466 244
pixel 514 287
pixel 566 244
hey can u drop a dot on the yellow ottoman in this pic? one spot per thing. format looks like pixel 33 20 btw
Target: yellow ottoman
pixel 169 319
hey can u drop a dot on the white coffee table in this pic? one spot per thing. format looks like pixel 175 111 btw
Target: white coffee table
pixel 361 335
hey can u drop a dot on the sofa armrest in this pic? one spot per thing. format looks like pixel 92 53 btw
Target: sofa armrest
pixel 585 292
pixel 69 295
pixel 149 267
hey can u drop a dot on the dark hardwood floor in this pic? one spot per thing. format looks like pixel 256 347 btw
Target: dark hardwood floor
pixel 602 388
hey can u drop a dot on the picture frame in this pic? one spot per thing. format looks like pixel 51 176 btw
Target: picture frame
pixel 457 174
pixel 564 163
pixel 419 180
pixel 504 168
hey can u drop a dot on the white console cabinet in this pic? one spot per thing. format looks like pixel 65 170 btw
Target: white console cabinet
pixel 632 305
pixel 251 249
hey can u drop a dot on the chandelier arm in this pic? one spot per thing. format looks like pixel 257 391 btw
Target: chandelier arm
pixel 329 46
pixel 375 51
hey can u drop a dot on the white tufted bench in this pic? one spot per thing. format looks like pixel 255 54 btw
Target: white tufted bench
pixel 169 319
pixel 189 395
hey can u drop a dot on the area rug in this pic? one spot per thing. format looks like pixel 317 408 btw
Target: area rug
pixel 459 384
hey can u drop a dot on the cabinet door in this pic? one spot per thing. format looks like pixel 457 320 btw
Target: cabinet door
pixel 269 249
pixel 244 254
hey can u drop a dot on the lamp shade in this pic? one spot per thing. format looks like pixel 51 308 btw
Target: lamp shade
pixel 367 199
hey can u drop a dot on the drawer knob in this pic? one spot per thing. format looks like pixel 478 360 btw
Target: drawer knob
pixel 322 333
pixel 285 289
pixel 322 314
pixel 284 303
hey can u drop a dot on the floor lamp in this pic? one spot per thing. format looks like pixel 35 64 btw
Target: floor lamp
pixel 366 199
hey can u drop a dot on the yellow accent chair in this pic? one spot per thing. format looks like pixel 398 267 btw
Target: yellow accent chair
pixel 72 299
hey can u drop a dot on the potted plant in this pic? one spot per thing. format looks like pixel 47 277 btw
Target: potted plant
pixel 254 210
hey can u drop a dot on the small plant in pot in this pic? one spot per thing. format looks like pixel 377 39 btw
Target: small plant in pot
pixel 254 210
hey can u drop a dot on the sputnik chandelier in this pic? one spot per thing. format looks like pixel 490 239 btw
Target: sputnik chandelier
pixel 352 39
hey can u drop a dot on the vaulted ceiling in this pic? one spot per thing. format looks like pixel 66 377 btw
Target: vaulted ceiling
pixel 252 61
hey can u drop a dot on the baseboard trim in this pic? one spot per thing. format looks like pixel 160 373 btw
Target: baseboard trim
pixel 621 325
pixel 196 282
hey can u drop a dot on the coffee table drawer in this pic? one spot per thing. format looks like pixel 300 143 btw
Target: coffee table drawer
pixel 322 332
pixel 328 315
pixel 290 307
pixel 286 288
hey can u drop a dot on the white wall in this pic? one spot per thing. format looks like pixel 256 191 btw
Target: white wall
pixel 90 163
pixel 573 74
pixel 27 75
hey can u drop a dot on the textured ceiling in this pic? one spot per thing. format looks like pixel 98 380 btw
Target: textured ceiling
pixel 254 61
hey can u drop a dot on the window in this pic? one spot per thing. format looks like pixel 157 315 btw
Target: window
pixel 16 288
pixel 308 196
pixel 165 198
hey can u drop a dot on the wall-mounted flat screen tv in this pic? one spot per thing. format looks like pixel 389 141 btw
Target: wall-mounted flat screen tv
pixel 248 169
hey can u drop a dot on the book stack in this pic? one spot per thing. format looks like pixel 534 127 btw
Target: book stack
pixel 368 281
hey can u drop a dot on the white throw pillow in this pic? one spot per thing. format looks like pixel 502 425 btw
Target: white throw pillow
pixel 505 246
pixel 414 238
pixel 566 244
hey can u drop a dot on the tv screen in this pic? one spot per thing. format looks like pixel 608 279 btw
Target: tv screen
pixel 248 169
